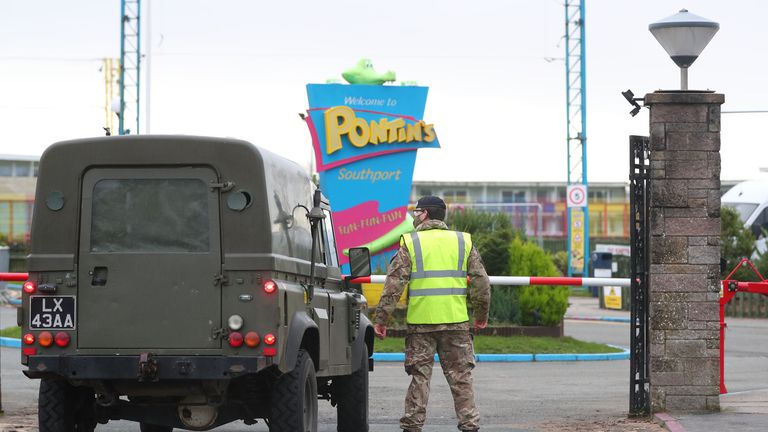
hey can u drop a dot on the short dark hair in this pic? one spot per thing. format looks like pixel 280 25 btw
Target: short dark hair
pixel 435 206
pixel 436 213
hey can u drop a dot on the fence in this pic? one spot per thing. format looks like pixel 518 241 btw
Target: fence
pixel 747 305
pixel 17 262
pixel 550 219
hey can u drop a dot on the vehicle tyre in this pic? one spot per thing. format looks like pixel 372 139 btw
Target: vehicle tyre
pixel 62 407
pixel 293 405
pixel 146 427
pixel 54 406
pixel 351 395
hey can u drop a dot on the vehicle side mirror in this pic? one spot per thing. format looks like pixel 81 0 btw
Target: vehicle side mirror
pixel 359 262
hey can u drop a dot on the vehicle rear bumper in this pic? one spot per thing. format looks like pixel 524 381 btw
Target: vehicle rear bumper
pixel 128 367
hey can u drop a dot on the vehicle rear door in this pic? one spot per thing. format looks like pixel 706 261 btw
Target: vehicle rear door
pixel 149 257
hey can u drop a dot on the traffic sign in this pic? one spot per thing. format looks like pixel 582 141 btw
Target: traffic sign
pixel 577 195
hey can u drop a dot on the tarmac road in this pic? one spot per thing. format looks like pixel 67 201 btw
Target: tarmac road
pixel 543 396
pixel 511 396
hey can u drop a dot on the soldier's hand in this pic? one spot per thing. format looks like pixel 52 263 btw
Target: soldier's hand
pixel 481 324
pixel 380 330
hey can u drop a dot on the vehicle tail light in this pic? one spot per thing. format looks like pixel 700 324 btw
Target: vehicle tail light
pixel 252 339
pixel 270 286
pixel 29 339
pixel 235 339
pixel 28 351
pixel 270 352
pixel 29 287
pixel 270 339
pixel 62 339
pixel 45 339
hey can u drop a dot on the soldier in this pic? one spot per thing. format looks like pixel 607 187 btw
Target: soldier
pixel 436 263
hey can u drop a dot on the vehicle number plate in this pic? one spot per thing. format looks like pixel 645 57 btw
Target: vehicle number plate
pixel 52 312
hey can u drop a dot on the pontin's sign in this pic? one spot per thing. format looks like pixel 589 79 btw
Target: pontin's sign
pixel 365 139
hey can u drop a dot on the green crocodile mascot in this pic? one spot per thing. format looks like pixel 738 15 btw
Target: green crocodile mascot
pixel 363 73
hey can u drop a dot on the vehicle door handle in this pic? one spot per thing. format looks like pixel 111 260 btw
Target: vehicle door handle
pixel 99 276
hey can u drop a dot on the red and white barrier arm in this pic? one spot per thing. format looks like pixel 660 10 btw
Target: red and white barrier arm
pixel 528 280
pixel 495 280
pixel 13 277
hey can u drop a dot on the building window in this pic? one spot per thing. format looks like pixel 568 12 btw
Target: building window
pixel 561 194
pixel 455 196
pixel 512 196
pixel 598 195
pixel 6 169
pixel 21 169
pixel 616 223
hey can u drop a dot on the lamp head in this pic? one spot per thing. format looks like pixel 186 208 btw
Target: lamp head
pixel 116 106
pixel 684 36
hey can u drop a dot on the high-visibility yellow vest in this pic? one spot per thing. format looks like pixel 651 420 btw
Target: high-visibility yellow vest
pixel 437 293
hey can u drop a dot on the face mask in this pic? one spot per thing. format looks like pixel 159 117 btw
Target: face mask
pixel 416 223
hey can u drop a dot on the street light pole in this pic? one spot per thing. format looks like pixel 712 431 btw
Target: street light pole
pixel 683 78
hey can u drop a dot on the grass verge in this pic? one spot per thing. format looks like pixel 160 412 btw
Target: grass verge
pixel 580 292
pixel 12 332
pixel 514 345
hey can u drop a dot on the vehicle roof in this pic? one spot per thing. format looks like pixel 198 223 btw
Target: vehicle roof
pixel 750 191
pixel 255 237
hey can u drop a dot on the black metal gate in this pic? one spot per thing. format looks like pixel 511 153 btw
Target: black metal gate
pixel 639 201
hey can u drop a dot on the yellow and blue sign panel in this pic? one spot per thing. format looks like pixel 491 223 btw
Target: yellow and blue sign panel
pixel 365 139
pixel 578 233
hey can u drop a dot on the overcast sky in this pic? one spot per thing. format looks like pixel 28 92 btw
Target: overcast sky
pixel 238 68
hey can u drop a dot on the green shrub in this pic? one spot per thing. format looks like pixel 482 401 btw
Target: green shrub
pixel 491 235
pixel 505 308
pixel 560 259
pixel 478 222
pixel 539 305
pixel 494 251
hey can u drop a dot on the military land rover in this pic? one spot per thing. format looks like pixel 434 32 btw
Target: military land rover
pixel 187 282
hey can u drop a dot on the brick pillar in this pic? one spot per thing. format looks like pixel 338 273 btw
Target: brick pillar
pixel 685 251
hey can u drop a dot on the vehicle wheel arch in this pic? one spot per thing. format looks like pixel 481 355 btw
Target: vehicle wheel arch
pixel 302 333
pixel 364 336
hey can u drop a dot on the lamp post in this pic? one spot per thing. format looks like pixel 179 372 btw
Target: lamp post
pixel 117 108
pixel 684 36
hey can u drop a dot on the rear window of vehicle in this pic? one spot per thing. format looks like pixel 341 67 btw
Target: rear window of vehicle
pixel 150 215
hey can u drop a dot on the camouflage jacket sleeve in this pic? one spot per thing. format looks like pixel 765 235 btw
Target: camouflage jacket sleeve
pixel 398 275
pixel 479 286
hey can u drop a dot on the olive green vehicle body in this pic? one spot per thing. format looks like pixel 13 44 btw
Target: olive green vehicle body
pixel 160 240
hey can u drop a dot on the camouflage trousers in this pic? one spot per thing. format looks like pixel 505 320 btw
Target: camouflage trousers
pixel 457 358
